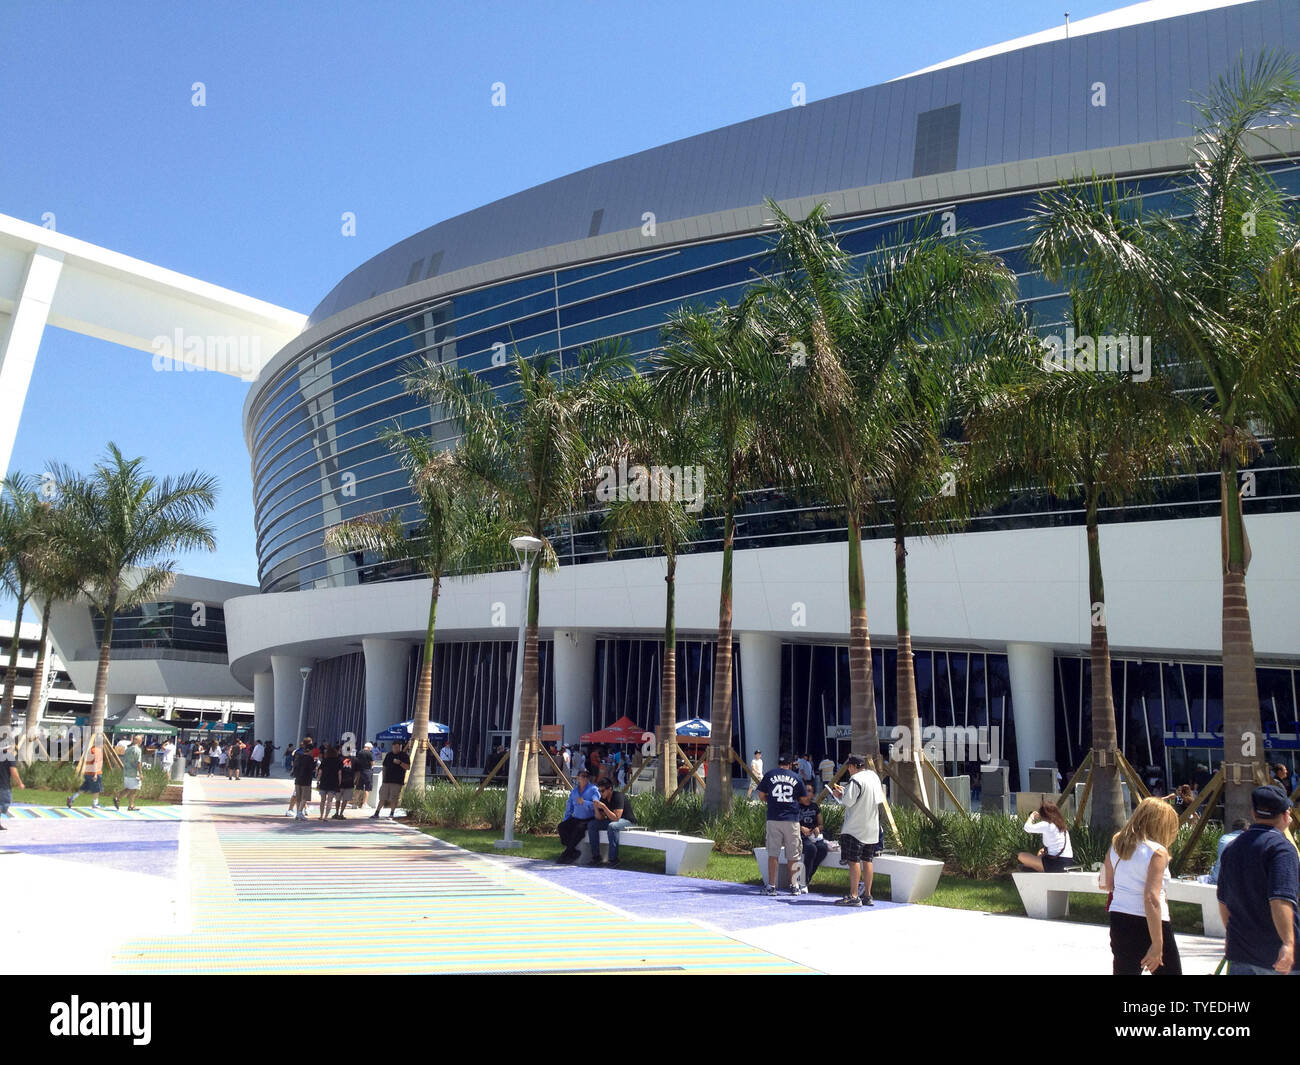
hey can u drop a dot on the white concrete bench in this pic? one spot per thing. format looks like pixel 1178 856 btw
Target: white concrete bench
pixel 1204 895
pixel 682 854
pixel 909 878
pixel 1047 895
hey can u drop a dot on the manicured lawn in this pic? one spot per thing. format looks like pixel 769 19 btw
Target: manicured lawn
pixel 36 797
pixel 954 892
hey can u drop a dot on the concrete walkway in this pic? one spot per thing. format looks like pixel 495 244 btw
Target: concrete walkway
pixel 271 895
pixel 235 886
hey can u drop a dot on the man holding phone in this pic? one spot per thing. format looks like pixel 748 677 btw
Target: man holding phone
pixel 862 798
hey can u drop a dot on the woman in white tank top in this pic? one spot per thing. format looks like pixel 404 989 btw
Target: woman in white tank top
pixel 1137 866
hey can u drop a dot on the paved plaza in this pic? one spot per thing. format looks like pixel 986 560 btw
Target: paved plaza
pixel 227 884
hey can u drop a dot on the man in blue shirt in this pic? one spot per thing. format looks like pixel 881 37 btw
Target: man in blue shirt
pixel 578 811
pixel 1259 877
pixel 782 789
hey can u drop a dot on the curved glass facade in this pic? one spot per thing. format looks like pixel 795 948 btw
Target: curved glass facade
pixel 314 426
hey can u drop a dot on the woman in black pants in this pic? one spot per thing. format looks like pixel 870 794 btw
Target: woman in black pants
pixel 1137 866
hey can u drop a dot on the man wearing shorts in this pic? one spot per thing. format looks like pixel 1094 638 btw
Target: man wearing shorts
pixel 862 797
pixel 9 778
pixel 92 779
pixel 782 789
pixel 362 764
pixel 131 759
pixel 304 772
pixel 396 765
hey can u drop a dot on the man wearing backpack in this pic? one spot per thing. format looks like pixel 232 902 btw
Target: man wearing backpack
pixel 613 814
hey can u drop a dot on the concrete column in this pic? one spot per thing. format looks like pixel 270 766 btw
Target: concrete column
pixel 18 349
pixel 264 707
pixel 574 662
pixel 287 695
pixel 1033 704
pixel 118 703
pixel 760 667
pixel 386 662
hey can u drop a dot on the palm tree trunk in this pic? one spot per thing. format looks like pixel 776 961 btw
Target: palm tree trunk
pixel 530 787
pixel 865 737
pixel 666 774
pixel 717 785
pixel 1107 795
pixel 99 704
pixel 424 694
pixel 1242 731
pixel 11 670
pixel 34 696
pixel 909 716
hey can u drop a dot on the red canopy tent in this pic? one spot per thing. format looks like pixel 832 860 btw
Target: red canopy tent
pixel 624 730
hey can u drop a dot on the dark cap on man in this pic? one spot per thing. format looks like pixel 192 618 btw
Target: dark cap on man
pixel 1270 802
pixel 784 759
pixel 855 760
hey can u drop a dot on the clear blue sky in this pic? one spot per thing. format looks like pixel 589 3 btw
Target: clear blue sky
pixel 378 108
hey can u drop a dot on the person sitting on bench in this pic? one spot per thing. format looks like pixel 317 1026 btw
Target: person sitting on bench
pixel 578 811
pixel 613 814
pixel 1056 855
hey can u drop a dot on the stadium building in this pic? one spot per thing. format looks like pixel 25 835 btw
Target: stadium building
pixel 999 612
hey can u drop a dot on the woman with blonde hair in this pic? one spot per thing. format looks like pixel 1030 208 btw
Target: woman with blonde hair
pixel 1137 866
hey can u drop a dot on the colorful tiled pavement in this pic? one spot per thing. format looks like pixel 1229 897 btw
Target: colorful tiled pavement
pixel 270 895
pixel 101 813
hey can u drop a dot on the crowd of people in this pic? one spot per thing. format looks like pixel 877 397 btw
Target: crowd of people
pixel 232 758
pixel 344 779
pixel 794 821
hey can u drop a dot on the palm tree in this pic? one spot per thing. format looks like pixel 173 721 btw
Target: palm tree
pixel 457 533
pixel 1217 281
pixel 530 450
pixel 718 363
pixel 647 434
pixel 1103 437
pixel 23 528
pixel 56 579
pixel 849 327
pixel 118 525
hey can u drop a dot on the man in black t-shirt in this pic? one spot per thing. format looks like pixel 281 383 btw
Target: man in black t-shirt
pixel 397 763
pixel 613 814
pixel 782 789
pixel 363 763
pixel 304 772
pixel 815 848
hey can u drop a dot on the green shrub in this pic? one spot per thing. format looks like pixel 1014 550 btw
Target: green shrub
pixel 63 776
pixel 1207 847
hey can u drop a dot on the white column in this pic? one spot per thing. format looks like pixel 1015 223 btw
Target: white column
pixel 1032 704
pixel 574 663
pixel 287 697
pixel 760 670
pixel 18 350
pixel 264 707
pixel 386 664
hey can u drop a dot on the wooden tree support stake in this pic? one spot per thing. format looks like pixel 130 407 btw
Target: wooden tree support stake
pixel 491 776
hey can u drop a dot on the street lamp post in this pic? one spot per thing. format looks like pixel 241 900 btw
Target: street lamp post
pixel 305 672
pixel 525 548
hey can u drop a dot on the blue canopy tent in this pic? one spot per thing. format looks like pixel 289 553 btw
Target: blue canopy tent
pixel 696 727
pixel 403 729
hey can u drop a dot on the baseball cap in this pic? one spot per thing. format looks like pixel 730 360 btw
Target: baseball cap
pixel 1269 801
